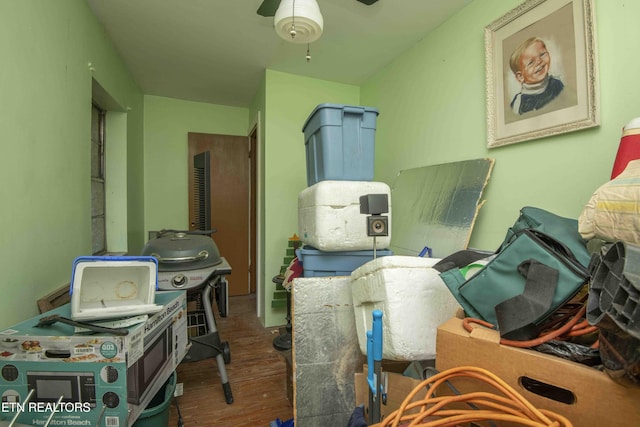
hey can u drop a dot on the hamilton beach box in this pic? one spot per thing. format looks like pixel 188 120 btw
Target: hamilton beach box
pixel 99 379
pixel 339 142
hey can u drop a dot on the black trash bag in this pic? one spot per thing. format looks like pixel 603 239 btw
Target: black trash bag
pixel 620 353
pixel 571 351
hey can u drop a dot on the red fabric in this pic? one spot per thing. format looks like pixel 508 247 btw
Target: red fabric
pixel 293 271
pixel 629 149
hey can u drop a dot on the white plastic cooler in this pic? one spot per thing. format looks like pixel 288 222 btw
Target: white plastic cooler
pixel 329 217
pixel 413 299
pixel 111 287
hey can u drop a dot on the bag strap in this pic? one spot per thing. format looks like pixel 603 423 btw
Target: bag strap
pixel 516 316
pixel 459 259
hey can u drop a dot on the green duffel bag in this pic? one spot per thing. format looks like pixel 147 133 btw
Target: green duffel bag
pixel 564 230
pixel 531 275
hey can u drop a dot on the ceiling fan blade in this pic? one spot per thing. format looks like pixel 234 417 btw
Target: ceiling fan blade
pixel 268 8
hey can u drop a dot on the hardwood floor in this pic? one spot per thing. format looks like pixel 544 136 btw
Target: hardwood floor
pixel 257 374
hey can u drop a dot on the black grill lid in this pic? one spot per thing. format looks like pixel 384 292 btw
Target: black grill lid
pixel 183 250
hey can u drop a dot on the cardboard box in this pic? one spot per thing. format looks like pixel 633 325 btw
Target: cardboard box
pixel 399 386
pixel 92 375
pixel 597 400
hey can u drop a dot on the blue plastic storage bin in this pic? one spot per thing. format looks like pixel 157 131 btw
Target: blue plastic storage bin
pixel 316 263
pixel 339 142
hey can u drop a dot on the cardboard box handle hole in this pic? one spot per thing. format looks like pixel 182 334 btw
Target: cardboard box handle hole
pixel 549 391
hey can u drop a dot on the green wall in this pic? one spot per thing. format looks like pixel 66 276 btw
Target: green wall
pixel 432 110
pixel 289 101
pixel 45 115
pixel 167 123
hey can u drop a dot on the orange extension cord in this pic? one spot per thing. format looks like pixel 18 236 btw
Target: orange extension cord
pixel 575 326
pixel 431 411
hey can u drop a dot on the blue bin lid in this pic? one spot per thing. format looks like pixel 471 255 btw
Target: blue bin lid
pixel 348 108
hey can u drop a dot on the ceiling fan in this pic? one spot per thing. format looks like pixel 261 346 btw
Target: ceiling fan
pixel 269 7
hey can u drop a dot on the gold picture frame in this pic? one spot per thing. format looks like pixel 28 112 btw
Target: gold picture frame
pixel 541 71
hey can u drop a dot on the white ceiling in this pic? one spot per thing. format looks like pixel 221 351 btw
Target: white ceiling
pixel 216 51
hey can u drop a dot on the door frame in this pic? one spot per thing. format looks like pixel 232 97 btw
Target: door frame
pixel 255 129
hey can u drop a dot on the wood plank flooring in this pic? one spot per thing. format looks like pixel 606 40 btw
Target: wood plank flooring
pixel 257 374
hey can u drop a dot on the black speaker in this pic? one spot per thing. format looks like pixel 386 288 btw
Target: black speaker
pixel 374 204
pixel 377 225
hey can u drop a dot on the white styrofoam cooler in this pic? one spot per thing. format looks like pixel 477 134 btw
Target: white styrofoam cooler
pixel 413 299
pixel 329 217
pixel 104 287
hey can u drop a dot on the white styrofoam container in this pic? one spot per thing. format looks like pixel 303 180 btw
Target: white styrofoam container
pixel 110 287
pixel 413 299
pixel 329 217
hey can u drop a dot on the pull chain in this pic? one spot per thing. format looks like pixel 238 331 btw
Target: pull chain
pixel 292 31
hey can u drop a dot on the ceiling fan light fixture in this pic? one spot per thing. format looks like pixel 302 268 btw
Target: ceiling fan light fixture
pixel 298 21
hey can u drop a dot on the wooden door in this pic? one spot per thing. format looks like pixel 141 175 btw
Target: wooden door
pixel 229 200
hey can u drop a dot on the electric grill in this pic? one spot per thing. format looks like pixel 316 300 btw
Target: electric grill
pixel 191 261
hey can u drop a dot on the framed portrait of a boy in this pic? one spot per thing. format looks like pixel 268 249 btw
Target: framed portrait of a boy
pixel 541 71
